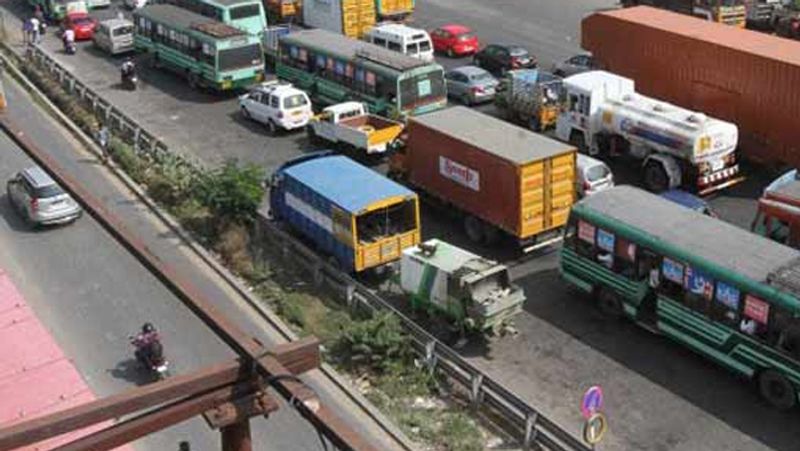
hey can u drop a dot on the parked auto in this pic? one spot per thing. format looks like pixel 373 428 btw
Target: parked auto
pixel 135 4
pixel 39 199
pixel 500 58
pixel 454 40
pixel 592 176
pixel 277 105
pixel 82 24
pixel 575 65
pixel 115 36
pixel 470 84
pixel 690 201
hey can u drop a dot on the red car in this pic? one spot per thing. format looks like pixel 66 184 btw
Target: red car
pixel 455 40
pixel 81 24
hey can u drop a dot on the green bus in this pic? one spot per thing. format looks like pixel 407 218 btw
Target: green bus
pixel 727 294
pixel 246 15
pixel 208 53
pixel 334 68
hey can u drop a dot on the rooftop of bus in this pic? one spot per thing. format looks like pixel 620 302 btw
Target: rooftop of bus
pixel 182 18
pixel 350 48
pixel 506 140
pixel 710 239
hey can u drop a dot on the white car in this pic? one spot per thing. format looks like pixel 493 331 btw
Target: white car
pixel 593 176
pixel 277 105
pixel 135 4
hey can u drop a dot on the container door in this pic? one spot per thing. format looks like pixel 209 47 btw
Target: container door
pixel 547 191
pixel 531 199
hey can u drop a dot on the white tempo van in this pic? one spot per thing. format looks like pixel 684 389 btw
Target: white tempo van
pixel 402 38
pixel 114 36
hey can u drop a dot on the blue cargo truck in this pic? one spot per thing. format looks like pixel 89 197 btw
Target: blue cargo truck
pixel 359 217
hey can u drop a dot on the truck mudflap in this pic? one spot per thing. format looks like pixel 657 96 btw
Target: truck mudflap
pixel 724 178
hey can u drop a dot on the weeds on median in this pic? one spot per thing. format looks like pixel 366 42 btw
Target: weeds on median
pixel 373 350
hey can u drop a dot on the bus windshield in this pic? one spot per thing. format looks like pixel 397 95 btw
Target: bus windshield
pixel 245 11
pixel 247 56
pixel 421 89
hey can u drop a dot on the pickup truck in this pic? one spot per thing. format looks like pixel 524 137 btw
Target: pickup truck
pixel 348 125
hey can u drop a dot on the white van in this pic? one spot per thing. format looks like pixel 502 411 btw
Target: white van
pixel 115 36
pixel 402 38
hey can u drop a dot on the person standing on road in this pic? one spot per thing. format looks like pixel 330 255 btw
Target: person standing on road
pixel 34 30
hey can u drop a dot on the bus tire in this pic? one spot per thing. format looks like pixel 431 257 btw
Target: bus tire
pixel 194 83
pixel 656 178
pixel 777 390
pixel 473 227
pixel 609 303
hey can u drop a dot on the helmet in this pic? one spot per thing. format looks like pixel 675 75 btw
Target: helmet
pixel 148 328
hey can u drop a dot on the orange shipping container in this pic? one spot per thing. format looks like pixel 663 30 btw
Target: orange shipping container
pixel 742 76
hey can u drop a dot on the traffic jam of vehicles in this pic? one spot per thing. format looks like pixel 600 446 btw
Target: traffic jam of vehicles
pixel 690 106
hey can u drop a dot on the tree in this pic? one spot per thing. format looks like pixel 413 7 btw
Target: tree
pixel 232 192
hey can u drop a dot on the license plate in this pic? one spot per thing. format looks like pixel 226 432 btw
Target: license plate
pixel 297 113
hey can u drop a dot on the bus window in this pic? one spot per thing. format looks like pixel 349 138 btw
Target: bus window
pixel 395 46
pixel 671 280
pixel 584 245
pixel 725 306
pixel 243 12
pixel 698 290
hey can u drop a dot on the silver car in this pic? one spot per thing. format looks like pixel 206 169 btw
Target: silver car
pixel 40 200
pixel 575 65
pixel 471 84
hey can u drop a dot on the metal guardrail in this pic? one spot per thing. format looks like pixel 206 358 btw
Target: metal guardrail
pixel 530 427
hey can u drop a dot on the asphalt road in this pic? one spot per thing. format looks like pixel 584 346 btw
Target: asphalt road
pixel 659 395
pixel 92 294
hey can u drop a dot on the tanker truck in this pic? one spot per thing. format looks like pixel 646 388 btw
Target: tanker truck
pixel 603 114
pixel 729 12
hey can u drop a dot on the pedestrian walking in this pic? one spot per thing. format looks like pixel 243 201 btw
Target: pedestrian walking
pixel 27 31
pixel 103 136
pixel 35 30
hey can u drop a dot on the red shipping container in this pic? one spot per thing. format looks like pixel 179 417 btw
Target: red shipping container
pixel 742 76
pixel 516 180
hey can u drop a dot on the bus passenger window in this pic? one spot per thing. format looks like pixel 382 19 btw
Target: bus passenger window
pixel 671 280
pixel 584 245
pixel 699 290
pixel 625 261
pixel 648 267
pixel 725 306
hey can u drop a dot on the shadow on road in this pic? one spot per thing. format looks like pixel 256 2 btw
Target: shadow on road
pixel 130 370
pixel 13 218
pixel 672 366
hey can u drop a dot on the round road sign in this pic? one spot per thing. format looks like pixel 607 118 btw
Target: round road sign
pixel 595 428
pixel 592 401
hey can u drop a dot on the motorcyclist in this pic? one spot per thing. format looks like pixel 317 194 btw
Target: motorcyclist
pixel 68 39
pixel 148 345
pixel 128 68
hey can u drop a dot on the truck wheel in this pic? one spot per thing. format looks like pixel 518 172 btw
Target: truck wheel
pixel 655 177
pixel 474 229
pixel 312 136
pixel 465 99
pixel 193 81
pixel 576 139
pixel 777 390
pixel 609 303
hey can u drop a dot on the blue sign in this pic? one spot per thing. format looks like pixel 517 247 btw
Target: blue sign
pixel 592 401
pixel 672 271
pixel 605 240
pixel 698 283
pixel 728 295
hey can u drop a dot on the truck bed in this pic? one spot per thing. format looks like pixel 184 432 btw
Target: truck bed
pixel 377 130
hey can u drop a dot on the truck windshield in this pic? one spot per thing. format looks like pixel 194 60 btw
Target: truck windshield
pixel 236 58
pixel 421 89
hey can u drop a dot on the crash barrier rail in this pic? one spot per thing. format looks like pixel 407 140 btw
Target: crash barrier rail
pixel 529 426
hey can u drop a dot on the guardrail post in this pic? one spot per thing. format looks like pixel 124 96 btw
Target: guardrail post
pixel 316 269
pixel 71 85
pixel 349 295
pixel 107 113
pixel 530 429
pixel 430 356
pixel 475 392
pixel 136 132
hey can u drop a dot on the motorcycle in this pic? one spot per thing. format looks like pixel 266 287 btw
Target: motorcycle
pixel 154 360
pixel 70 48
pixel 129 80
